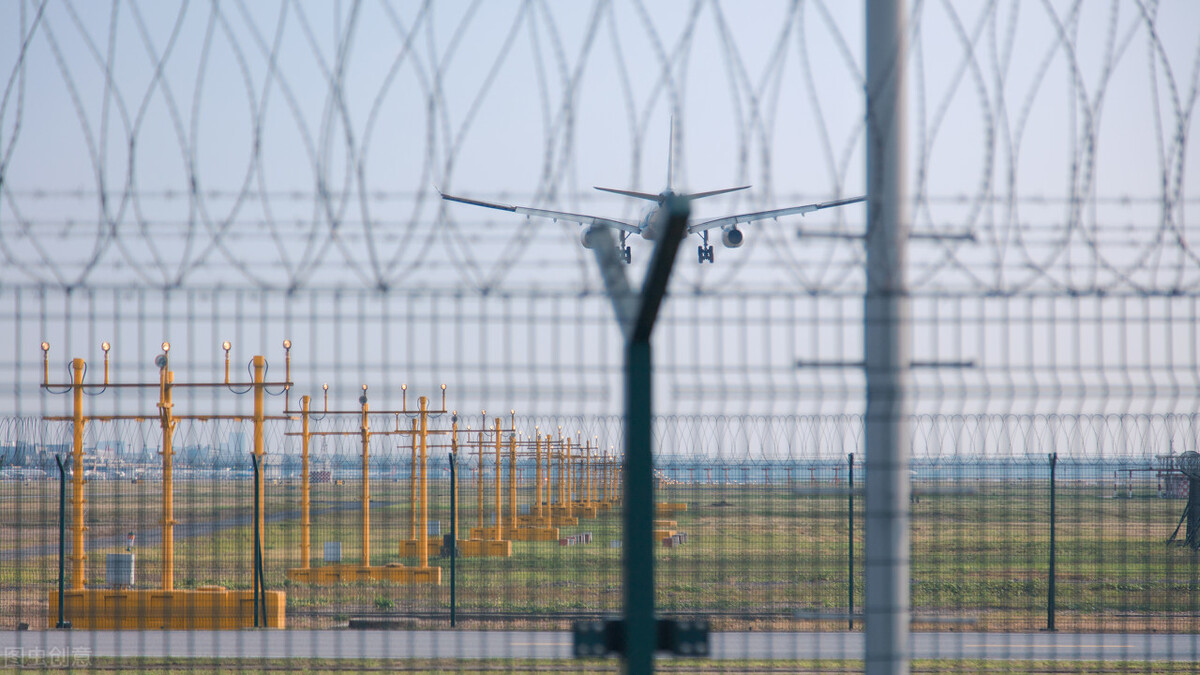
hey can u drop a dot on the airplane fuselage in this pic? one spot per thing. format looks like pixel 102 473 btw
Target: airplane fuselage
pixel 650 224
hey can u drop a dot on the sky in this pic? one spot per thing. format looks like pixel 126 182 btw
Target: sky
pixel 281 145
pixel 257 170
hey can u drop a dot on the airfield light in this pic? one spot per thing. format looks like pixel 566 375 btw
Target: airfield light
pixel 105 347
pixel 45 362
pixel 287 369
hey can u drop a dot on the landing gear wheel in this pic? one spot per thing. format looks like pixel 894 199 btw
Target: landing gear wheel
pixel 705 251
pixel 628 255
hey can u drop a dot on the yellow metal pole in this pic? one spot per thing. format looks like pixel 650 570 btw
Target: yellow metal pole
pixel 77 527
pixel 366 484
pixel 607 497
pixel 305 522
pixel 166 378
pixel 587 473
pixel 412 485
pixel 479 476
pixel 562 490
pixel 499 491
pixel 538 491
pixel 423 533
pixel 610 463
pixel 570 486
pixel 260 369
pixel 512 479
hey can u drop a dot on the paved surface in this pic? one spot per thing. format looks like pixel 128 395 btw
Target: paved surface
pixel 467 644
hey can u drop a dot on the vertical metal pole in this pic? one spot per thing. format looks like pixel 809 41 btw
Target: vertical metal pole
pixel 887 353
pixel 561 480
pixel 166 378
pixel 1050 588
pixel 305 522
pixel 257 549
pixel 641 629
pixel 569 481
pixel 78 556
pixel 638 516
pixel 499 490
pixel 412 484
pixel 423 533
pixel 538 492
pixel 850 541
pixel 260 371
pixel 365 431
pixel 454 483
pixel 62 541
pixel 479 482
pixel 512 480
pixel 453 530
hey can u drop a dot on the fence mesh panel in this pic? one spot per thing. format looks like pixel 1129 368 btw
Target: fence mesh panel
pixel 202 173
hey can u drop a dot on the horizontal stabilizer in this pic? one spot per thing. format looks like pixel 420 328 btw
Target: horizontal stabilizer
pixel 713 193
pixel 630 193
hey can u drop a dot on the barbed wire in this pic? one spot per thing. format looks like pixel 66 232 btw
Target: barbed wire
pixel 326 135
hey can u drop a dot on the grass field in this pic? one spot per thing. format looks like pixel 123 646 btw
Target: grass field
pixel 756 555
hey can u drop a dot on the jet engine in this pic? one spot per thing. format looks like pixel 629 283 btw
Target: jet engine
pixel 732 238
pixel 587 237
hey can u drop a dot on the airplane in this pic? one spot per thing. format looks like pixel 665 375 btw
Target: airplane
pixel 648 225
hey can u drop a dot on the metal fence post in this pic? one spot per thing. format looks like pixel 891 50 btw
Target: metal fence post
pixel 1050 588
pixel 641 630
pixel 453 530
pixel 257 585
pixel 850 541
pixel 62 541
pixel 886 350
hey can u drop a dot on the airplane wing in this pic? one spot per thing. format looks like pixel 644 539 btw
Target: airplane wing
pixel 543 213
pixel 728 221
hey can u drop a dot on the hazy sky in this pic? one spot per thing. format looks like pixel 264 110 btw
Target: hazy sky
pixel 282 144
pixel 249 146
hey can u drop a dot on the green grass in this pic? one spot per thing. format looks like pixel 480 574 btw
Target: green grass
pixel 763 554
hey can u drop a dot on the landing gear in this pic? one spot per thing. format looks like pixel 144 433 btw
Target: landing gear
pixel 626 253
pixel 705 251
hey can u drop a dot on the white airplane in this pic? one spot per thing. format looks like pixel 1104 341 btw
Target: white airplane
pixel 648 225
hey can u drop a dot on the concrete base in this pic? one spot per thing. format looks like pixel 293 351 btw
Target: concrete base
pixel 659 534
pixel 208 608
pixel 535 521
pixel 666 524
pixel 583 510
pixel 410 548
pixel 487 533
pixel 668 509
pixel 484 548
pixel 337 574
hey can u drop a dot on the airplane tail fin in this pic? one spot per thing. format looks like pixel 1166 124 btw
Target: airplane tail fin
pixel 671 157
